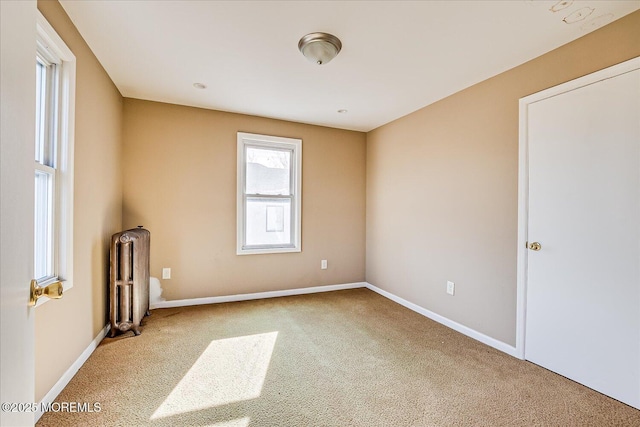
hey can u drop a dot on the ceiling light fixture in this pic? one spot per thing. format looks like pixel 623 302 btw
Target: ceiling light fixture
pixel 200 85
pixel 319 48
pixel 343 111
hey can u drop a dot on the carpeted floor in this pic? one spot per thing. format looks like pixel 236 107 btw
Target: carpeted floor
pixel 346 358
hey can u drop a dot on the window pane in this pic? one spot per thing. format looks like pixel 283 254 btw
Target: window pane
pixel 41 97
pixel 43 225
pixel 268 222
pixel 268 171
pixel 47 86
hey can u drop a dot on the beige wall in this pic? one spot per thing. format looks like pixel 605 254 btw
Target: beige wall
pixel 66 327
pixel 442 187
pixel 180 183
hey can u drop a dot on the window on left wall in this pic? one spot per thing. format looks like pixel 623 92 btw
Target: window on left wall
pixel 54 147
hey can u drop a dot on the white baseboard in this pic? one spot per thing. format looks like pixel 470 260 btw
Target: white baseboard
pixel 73 369
pixel 472 333
pixel 257 295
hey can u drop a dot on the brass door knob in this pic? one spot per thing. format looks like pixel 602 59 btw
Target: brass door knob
pixel 53 291
pixel 535 246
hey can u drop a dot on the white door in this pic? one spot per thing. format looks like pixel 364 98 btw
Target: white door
pixel 583 284
pixel 17 127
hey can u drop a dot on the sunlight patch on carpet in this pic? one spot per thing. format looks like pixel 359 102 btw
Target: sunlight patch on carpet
pixel 229 370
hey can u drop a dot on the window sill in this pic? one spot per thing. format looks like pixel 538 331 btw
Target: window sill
pixel 257 251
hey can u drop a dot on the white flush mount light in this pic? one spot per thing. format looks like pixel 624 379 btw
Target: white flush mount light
pixel 200 85
pixel 319 48
pixel 343 111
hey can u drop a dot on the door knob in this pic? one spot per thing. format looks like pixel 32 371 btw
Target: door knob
pixel 535 246
pixel 53 291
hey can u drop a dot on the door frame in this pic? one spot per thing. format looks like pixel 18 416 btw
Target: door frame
pixel 523 182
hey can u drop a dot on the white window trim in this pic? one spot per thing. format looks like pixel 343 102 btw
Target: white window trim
pixel 49 41
pixel 267 141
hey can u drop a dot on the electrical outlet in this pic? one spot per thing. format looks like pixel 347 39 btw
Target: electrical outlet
pixel 166 273
pixel 323 264
pixel 451 287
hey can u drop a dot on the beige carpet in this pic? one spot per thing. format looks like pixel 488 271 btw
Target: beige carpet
pixel 347 358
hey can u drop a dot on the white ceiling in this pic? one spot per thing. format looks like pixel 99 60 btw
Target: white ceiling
pixel 397 56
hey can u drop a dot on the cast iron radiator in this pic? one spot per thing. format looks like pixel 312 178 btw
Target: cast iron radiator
pixel 129 280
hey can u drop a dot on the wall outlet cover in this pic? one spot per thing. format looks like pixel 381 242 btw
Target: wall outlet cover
pixel 451 287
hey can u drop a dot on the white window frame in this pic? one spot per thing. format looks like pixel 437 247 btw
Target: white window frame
pixel 53 49
pixel 270 142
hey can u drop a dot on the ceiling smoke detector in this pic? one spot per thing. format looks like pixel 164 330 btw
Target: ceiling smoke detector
pixel 578 15
pixel 320 48
pixel 563 4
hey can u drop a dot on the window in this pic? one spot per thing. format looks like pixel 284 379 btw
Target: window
pixel 53 173
pixel 269 189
